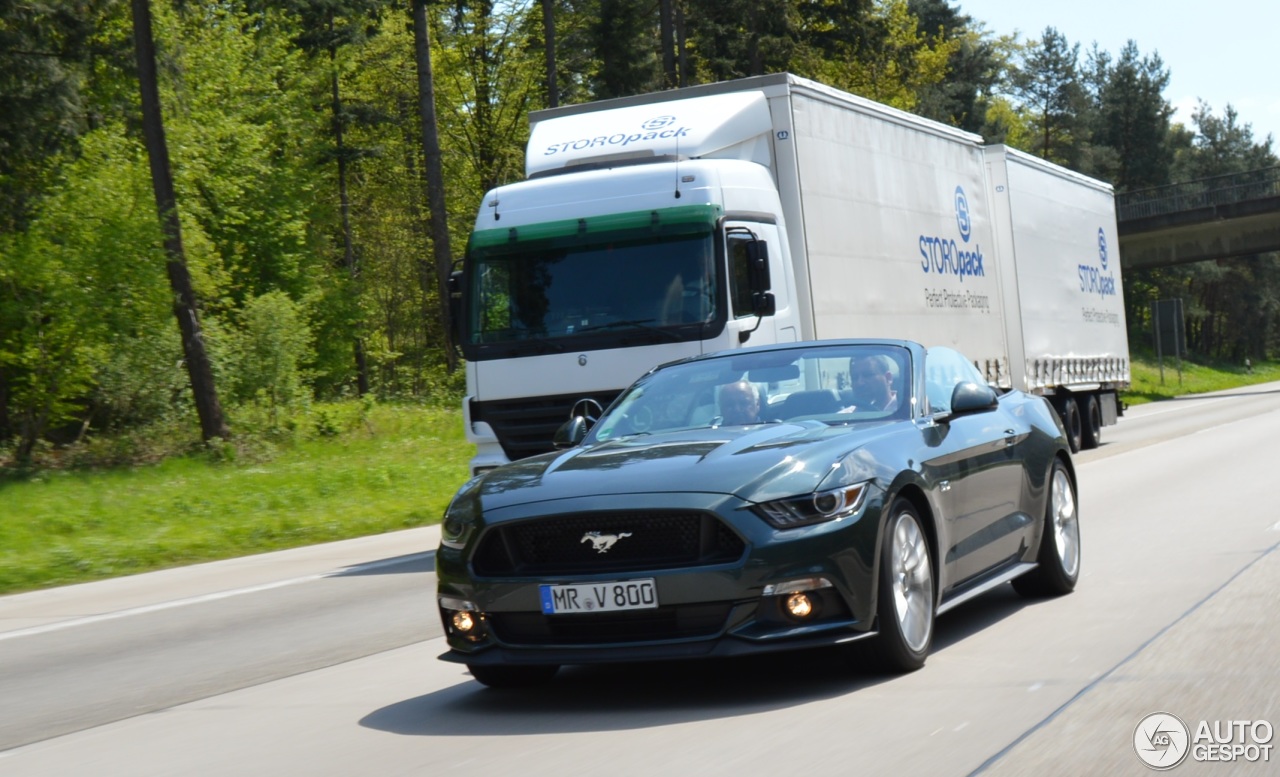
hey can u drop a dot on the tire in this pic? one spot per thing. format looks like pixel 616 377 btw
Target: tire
pixel 1059 557
pixel 1091 423
pixel 1071 422
pixel 512 676
pixel 905 604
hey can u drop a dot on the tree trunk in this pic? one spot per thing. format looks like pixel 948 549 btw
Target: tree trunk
pixel 185 307
pixel 667 36
pixel 682 61
pixel 434 175
pixel 344 205
pixel 549 33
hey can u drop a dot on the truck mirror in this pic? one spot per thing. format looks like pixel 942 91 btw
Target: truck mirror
pixel 758 266
pixel 763 304
pixel 454 285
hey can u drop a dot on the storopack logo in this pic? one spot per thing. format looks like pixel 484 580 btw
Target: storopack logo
pixel 944 256
pixel 1097 280
pixel 658 127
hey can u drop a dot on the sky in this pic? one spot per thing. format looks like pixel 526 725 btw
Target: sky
pixel 1220 51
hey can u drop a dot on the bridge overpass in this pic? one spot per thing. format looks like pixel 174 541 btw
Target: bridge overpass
pixel 1210 218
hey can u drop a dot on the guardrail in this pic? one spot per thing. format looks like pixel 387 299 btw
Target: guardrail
pixel 1201 193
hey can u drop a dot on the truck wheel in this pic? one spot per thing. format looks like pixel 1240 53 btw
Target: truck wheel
pixel 512 676
pixel 1071 421
pixel 1058 562
pixel 1092 423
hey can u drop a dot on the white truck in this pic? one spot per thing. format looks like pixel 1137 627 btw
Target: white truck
pixel 772 209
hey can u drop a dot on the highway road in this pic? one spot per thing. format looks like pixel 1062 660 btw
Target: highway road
pixel 322 661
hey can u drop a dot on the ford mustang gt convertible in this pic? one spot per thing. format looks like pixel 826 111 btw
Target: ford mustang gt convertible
pixel 762 499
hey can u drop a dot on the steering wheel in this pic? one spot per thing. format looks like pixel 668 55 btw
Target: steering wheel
pixel 642 419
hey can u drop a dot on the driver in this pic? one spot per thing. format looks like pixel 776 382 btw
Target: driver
pixel 873 384
pixel 739 403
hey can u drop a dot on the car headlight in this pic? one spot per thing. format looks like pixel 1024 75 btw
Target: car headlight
pixel 818 507
pixel 461 516
pixel 454 532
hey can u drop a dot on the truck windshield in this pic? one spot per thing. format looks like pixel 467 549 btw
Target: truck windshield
pixel 651 273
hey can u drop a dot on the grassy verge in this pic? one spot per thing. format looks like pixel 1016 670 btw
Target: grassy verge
pixel 1147 385
pixel 388 468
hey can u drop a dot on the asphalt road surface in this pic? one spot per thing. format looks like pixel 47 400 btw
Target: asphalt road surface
pixel 322 661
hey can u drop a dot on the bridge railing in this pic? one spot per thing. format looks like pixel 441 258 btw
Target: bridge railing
pixel 1201 193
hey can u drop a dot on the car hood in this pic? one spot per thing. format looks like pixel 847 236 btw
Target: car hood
pixel 757 463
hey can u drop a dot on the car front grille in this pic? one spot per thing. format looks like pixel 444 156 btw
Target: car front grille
pixel 580 544
pixel 688 621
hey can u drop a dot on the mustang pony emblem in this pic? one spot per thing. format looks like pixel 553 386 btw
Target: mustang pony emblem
pixel 602 542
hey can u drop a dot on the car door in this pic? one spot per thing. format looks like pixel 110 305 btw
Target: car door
pixel 978 476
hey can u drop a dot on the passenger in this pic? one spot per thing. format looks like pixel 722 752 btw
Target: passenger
pixel 739 404
pixel 873 384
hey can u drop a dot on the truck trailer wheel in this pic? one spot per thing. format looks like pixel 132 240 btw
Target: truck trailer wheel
pixel 1070 413
pixel 1092 423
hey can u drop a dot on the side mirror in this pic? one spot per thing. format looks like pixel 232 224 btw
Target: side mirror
pixel 763 304
pixel 570 433
pixel 455 305
pixel 969 398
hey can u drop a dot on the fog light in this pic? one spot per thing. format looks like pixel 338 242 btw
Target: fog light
pixel 462 618
pixel 799 606
pixel 464 622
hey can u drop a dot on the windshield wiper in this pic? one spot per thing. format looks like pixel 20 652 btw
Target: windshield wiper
pixel 639 324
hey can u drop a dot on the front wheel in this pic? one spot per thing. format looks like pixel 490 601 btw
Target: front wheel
pixel 1059 559
pixel 905 604
pixel 512 676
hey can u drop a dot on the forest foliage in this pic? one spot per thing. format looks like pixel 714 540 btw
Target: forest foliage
pixel 297 152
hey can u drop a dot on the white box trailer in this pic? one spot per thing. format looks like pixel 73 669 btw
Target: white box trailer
pixel 1061 275
pixel 632 243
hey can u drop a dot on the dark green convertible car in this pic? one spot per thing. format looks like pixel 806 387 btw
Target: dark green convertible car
pixel 772 498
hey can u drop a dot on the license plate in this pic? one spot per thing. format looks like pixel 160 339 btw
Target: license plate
pixel 599 597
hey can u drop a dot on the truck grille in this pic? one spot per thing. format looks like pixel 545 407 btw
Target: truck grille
pixel 688 621
pixel 525 426
pixel 563 544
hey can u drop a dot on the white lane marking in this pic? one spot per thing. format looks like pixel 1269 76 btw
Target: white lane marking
pixel 1035 687
pixel 253 589
pixel 1275 526
pixel 108 616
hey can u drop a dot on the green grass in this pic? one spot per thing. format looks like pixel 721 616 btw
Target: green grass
pixel 393 468
pixel 1146 384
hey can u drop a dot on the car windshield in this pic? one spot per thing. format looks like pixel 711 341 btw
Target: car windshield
pixel 835 384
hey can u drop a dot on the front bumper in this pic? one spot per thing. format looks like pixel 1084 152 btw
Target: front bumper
pixel 727 609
